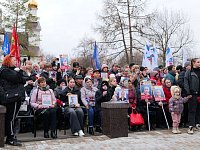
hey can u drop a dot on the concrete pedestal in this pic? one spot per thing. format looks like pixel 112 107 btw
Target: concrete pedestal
pixel 114 119
pixel 2 125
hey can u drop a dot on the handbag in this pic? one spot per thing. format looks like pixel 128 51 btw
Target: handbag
pixel 136 118
pixel 198 99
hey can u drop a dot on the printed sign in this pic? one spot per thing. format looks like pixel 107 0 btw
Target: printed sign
pixel 123 95
pixel 146 90
pixel 159 93
pixel 73 100
pixel 47 100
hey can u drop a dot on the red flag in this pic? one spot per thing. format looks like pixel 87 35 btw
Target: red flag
pixel 14 47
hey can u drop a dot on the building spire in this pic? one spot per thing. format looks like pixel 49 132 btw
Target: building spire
pixel 32 4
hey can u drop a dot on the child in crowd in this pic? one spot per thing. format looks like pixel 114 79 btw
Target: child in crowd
pixel 176 107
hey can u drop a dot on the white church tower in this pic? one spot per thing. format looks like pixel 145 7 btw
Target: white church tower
pixel 34 28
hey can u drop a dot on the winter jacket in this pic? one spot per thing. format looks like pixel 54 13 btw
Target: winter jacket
pixel 180 83
pixel 73 91
pixel 88 96
pixel 111 90
pixel 27 86
pixel 97 82
pixel 132 97
pixel 36 97
pixel 58 92
pixel 13 80
pixel 99 98
pixel 167 93
pixel 171 77
pixel 176 105
pixel 191 83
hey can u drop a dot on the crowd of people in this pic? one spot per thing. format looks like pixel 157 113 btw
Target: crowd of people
pixel 78 93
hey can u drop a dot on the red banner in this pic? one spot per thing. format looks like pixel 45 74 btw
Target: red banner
pixel 14 47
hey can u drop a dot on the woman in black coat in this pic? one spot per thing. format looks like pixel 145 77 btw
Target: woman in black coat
pixel 73 111
pixel 12 81
pixel 102 95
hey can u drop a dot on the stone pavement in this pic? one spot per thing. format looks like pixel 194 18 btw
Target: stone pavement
pixel 154 140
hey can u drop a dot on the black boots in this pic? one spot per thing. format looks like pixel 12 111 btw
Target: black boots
pixel 91 131
pixel 98 129
pixel 46 134
pixel 13 142
pixel 53 134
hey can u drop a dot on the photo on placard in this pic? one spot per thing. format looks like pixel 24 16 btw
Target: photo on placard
pixel 73 99
pixel 64 62
pixel 104 75
pixel 146 90
pixel 158 93
pixel 52 74
pixel 47 100
pixel 123 95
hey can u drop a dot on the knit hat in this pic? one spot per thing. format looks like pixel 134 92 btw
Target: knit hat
pixel 104 66
pixel 153 73
pixel 160 67
pixel 131 64
pixel 187 63
pixel 142 68
pixel 78 77
pixel 156 69
pixel 75 64
pixel 60 81
pixel 97 70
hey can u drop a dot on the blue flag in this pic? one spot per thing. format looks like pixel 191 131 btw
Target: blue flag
pixel 6 45
pixel 96 57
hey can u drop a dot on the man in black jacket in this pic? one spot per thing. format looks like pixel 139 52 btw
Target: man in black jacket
pixel 180 83
pixel 51 81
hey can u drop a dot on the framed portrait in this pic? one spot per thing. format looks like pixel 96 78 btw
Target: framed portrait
pixel 146 90
pixel 64 61
pixel 104 76
pixel 47 100
pixel 123 95
pixel 73 99
pixel 158 93
pixel 52 74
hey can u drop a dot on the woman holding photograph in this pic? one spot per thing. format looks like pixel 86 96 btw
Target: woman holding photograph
pixel 73 110
pixel 88 99
pixel 44 107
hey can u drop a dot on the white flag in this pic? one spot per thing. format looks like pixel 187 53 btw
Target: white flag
pixel 169 57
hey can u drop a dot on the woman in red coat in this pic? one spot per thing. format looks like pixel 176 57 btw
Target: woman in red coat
pixel 166 88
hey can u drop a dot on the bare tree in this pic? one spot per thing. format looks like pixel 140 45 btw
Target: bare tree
pixel 169 29
pixel 120 26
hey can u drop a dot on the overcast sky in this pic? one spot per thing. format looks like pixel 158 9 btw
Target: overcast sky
pixel 65 22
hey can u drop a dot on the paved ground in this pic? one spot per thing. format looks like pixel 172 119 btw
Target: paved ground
pixel 154 140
